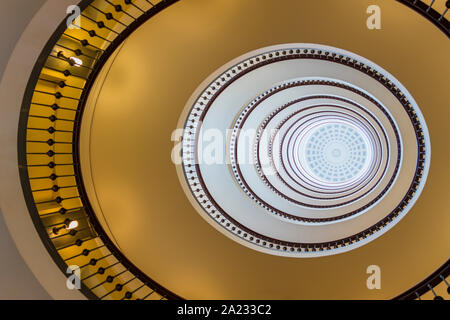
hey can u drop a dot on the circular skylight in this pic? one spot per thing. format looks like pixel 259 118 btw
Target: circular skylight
pixel 334 152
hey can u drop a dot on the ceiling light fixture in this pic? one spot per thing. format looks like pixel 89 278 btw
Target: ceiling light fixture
pixel 68 225
pixel 77 62
pixel 73 61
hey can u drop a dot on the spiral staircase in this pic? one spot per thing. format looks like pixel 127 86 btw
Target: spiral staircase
pixel 93 152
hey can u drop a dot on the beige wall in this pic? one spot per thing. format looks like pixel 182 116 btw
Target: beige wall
pixel 16 279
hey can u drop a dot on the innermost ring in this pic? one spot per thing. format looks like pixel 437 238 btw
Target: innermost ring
pixel 335 152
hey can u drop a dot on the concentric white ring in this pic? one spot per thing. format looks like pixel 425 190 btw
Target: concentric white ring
pixel 281 102
pixel 317 196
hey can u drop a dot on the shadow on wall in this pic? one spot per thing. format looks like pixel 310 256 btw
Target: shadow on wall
pixel 16 279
